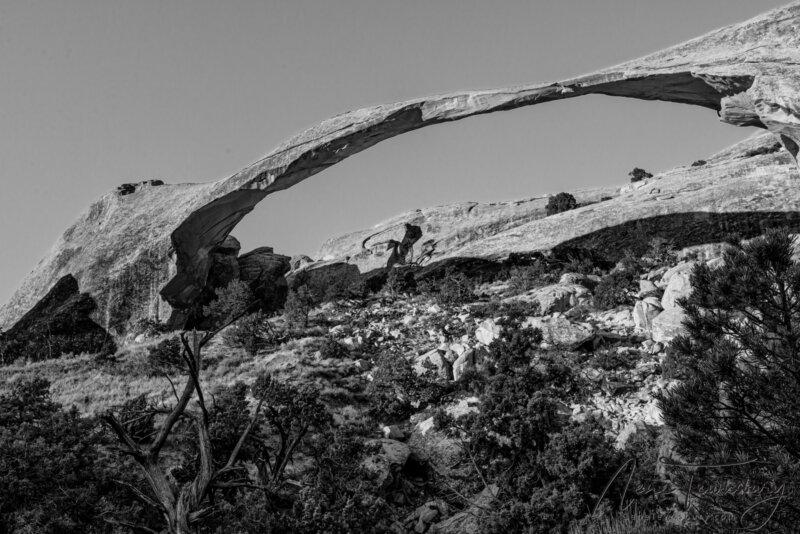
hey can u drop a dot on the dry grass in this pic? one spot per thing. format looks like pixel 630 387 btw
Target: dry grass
pixel 92 386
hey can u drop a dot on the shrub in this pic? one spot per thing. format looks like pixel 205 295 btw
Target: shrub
pixel 252 333
pixel 660 252
pixel 332 282
pixel 399 280
pixel 552 472
pixel 332 349
pixel 628 522
pixel 165 357
pixel 54 473
pixel 515 311
pixel 341 494
pixel 615 289
pixel 396 391
pixel 699 163
pixel 149 327
pixel 560 203
pixel 737 412
pixel 525 278
pixel 453 289
pixel 230 302
pixel 298 305
pixel 637 175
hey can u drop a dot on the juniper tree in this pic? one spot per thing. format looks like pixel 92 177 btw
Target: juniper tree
pixel 738 407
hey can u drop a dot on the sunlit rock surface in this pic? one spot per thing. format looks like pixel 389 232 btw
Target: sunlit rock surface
pixel 146 249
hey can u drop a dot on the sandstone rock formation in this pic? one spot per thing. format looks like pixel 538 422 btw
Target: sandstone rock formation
pixel 59 323
pixel 129 244
pixel 740 189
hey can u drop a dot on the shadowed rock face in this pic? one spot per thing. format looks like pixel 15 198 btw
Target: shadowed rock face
pixel 58 323
pixel 155 241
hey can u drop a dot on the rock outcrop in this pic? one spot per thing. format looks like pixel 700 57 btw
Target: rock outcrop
pixel 740 189
pixel 141 252
pixel 59 323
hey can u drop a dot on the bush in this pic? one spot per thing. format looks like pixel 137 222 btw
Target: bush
pixel 552 472
pixel 299 303
pixel 699 163
pixel 331 282
pixel 560 203
pixel 637 175
pixel 399 280
pixel 660 252
pixel 54 472
pixel 628 522
pixel 252 333
pixel 453 289
pixel 515 311
pixel 165 357
pixel 230 302
pixel 396 391
pixel 332 349
pixel 615 289
pixel 737 412
pixel 341 494
pixel 525 278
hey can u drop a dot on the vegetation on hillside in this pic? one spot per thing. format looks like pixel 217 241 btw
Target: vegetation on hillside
pixel 332 440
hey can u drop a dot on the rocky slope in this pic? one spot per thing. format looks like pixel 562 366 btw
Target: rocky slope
pixel 129 243
pixel 742 189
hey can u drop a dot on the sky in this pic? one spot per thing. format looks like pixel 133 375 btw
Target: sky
pixel 95 93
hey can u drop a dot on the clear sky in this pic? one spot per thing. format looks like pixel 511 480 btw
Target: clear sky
pixel 94 93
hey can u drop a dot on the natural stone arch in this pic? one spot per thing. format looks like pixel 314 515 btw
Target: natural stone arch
pixel 748 73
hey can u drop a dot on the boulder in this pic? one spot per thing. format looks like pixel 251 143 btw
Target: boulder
pixel 421 519
pixel 229 246
pixel 463 363
pixel 555 298
pixel 667 324
pixel 560 331
pixel 589 281
pixel 390 459
pixel 487 331
pixel 684 268
pixel 299 261
pixel 265 272
pixel 433 358
pixel 678 286
pixel 644 311
pixel 620 318
pixel 647 288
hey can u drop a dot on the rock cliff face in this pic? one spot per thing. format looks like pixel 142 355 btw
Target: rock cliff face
pixel 150 242
pixel 58 323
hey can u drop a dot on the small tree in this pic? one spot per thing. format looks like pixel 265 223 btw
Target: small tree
pixel 186 504
pixel 298 306
pixel 453 289
pixel 637 175
pixel 560 203
pixel 737 412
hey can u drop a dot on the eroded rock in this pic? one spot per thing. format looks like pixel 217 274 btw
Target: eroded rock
pixel 59 323
pixel 155 243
